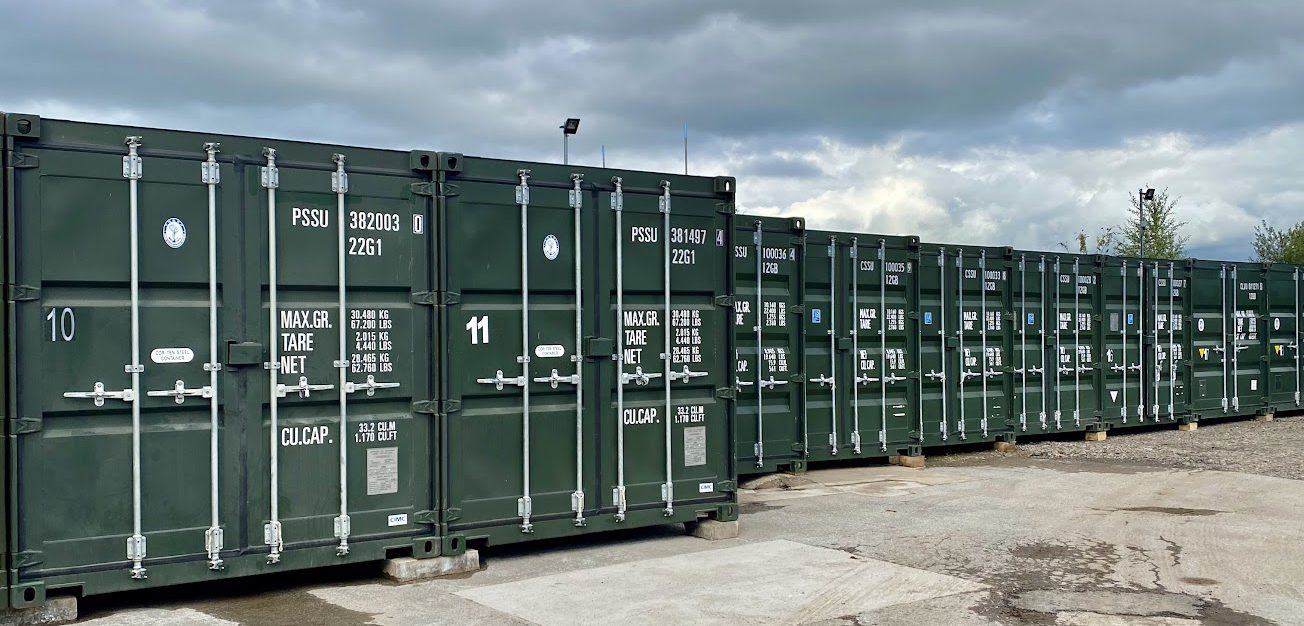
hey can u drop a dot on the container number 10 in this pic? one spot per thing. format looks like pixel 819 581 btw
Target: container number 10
pixel 63 325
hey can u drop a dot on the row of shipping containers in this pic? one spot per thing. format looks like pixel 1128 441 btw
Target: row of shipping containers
pixel 227 356
pixel 860 345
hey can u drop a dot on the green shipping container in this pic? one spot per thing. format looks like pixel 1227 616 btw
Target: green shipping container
pixel 769 301
pixel 860 346
pixel 1124 386
pixel 966 339
pixel 587 374
pixel 1168 363
pixel 1285 303
pixel 1229 309
pixel 216 344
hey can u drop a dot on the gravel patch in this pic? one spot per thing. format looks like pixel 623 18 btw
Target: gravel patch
pixel 1273 448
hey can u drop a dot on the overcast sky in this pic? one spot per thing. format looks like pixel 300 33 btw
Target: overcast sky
pixel 1012 122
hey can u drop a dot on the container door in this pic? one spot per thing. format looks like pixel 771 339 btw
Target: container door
pixel 1031 348
pixel 520 259
pixel 1210 339
pixel 116 326
pixel 767 339
pixel 339 255
pixel 1124 380
pixel 881 288
pixel 1169 360
pixel 1249 354
pixel 982 398
pixel 1074 340
pixel 937 343
pixel 828 432
pixel 663 298
pixel 1283 339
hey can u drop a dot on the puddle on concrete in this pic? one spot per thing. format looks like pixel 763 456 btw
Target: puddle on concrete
pixel 284 608
pixel 748 508
pixel 1059 606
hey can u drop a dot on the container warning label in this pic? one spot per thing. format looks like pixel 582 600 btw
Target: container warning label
pixel 382 471
pixel 694 446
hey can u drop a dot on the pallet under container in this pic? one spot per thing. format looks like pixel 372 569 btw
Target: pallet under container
pixel 231 356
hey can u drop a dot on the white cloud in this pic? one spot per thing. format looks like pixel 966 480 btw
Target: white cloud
pixel 1039 197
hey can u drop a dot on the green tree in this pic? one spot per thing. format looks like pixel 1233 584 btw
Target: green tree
pixel 1163 232
pixel 1102 242
pixel 1275 245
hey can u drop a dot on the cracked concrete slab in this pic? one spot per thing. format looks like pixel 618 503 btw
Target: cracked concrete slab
pixel 780 582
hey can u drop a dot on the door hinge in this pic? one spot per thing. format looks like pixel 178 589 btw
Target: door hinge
pixel 450 297
pixel 726 393
pixel 798 446
pixel 25 425
pixel 425 517
pixel 726 208
pixel 449 190
pixel 450 406
pixel 20 293
pixel 452 514
pixel 798 241
pixel 429 407
pixel 422 189
pixel 724 301
pixel 428 298
pixel 797 309
pixel 727 486
pixel 28 558
pixel 22 161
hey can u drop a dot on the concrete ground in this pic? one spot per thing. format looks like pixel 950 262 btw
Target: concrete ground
pixel 1006 539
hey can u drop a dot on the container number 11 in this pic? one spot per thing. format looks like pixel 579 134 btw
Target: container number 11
pixel 479 329
pixel 64 327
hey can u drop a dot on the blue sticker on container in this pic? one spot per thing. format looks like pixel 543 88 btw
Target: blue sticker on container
pixel 928 318
pixel 814 316
pixel 1032 319
pixel 1129 319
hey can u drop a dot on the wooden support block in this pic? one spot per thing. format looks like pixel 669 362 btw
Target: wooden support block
pixel 1096 435
pixel 1003 446
pixel 1266 417
pixel 1189 426
pixel 916 462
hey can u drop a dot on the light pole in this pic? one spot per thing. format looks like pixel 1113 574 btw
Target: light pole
pixel 1142 195
pixel 570 127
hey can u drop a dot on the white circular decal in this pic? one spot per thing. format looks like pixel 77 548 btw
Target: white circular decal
pixel 174 232
pixel 1276 323
pixel 1199 324
pixel 551 248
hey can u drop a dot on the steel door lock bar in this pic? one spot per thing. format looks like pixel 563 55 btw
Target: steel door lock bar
pixel 555 378
pixel 688 374
pixel 769 384
pixel 824 380
pixel 98 394
pixel 370 386
pixel 639 377
pixel 304 388
pixel 179 392
pixel 499 380
pixel 865 379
